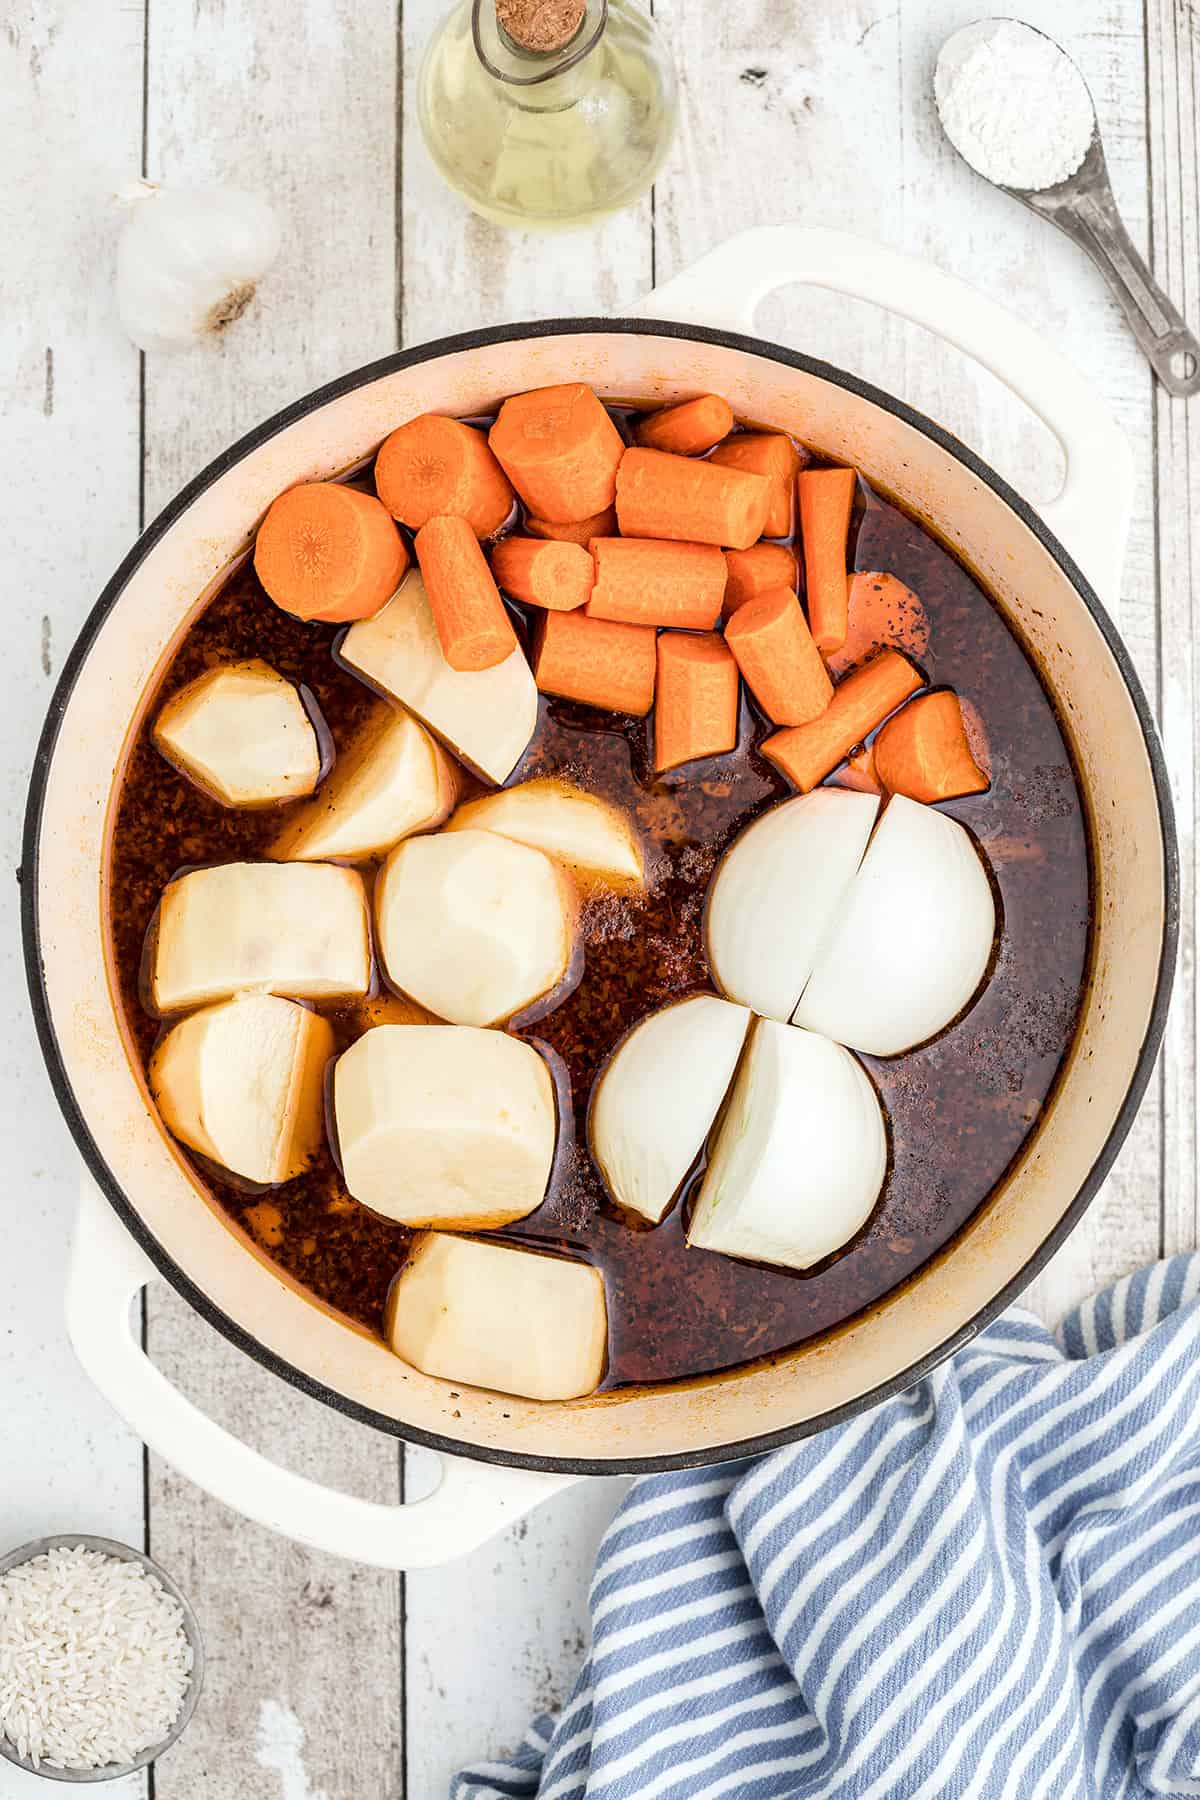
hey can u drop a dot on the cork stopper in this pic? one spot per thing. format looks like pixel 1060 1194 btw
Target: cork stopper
pixel 540 26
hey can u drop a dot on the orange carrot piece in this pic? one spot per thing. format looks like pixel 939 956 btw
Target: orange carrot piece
pixel 644 581
pixel 560 450
pixel 437 468
pixel 776 654
pixel 580 531
pixel 776 458
pixel 686 430
pixel 923 752
pixel 808 753
pixel 695 698
pixel 756 571
pixel 859 773
pixel 557 576
pixel 661 496
pixel 473 628
pixel 326 551
pixel 882 614
pixel 596 662
pixel 826 499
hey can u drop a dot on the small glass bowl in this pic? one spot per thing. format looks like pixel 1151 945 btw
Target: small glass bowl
pixel 122 1553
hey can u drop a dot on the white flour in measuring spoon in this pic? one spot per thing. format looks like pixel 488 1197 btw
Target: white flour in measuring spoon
pixel 1013 104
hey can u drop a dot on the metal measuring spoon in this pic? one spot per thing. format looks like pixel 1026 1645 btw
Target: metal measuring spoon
pixel 1083 206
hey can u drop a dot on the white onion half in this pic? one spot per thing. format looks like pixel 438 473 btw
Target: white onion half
pixel 656 1099
pixel 799 1156
pixel 913 940
pixel 777 892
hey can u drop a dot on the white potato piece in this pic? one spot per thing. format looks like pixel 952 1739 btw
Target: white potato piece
pixel 487 717
pixel 494 1316
pixel 799 1156
pixel 445 1125
pixel 242 734
pixel 913 940
pixel 777 891
pixel 299 929
pixel 243 1083
pixel 656 1099
pixel 473 926
pixel 594 839
pixel 392 780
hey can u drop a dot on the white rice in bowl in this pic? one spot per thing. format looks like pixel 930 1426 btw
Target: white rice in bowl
pixel 94 1659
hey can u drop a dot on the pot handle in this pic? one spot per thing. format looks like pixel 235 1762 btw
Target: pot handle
pixel 1091 514
pixel 472 1502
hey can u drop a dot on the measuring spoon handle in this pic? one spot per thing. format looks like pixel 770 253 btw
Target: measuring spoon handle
pixel 1090 217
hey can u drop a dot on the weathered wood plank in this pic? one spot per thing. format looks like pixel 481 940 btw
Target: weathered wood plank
pixel 70 79
pixel 306 1676
pixel 496 1638
pixel 1173 89
pixel 776 73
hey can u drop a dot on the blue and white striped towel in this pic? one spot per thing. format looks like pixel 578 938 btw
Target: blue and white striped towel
pixel 988 1586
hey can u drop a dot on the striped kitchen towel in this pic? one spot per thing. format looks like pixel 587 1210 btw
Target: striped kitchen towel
pixel 987 1586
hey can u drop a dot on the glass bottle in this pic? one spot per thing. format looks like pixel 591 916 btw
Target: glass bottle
pixel 547 138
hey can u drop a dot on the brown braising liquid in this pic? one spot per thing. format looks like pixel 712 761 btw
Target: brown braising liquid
pixel 959 1110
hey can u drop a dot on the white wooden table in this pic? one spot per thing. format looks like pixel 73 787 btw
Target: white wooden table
pixel 328 1682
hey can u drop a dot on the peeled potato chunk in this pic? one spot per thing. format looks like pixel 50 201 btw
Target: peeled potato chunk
pixel 243 1083
pixel 473 926
pixel 493 1316
pixel 393 779
pixel 445 1125
pixel 299 929
pixel 656 1098
pixel 799 1156
pixel 242 734
pixel 486 716
pixel 595 841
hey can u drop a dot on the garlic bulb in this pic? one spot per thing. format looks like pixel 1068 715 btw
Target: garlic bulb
pixel 189 260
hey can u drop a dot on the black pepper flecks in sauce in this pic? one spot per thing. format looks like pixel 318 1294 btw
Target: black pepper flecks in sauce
pixel 959 1110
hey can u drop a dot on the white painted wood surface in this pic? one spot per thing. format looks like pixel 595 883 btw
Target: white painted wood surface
pixel 328 1682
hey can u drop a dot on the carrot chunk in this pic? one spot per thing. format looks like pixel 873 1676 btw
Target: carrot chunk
pixel 776 654
pixel 473 628
pixel 560 450
pixel 688 429
pixel 557 576
pixel 776 458
pixel 436 468
pixel 756 571
pixel 923 751
pixel 661 496
pixel 807 753
pixel 695 698
pixel 826 498
pixel 643 581
pixel 881 614
pixel 580 531
pixel 596 662
pixel 326 551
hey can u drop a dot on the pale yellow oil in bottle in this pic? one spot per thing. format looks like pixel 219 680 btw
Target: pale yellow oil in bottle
pixel 571 145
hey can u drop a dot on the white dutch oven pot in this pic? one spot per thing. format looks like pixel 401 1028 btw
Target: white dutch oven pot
pixel 143 1215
